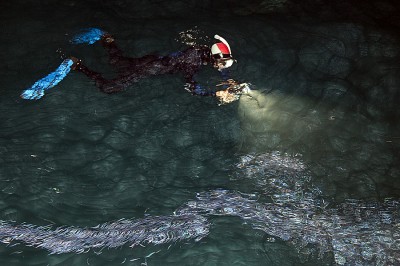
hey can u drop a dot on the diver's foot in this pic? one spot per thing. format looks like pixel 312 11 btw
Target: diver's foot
pixel 77 63
pixel 107 38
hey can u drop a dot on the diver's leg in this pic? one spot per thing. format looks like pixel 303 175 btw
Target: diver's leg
pixel 92 35
pixel 108 42
pixel 116 57
pixel 104 85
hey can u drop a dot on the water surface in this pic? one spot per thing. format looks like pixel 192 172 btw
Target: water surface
pixel 325 91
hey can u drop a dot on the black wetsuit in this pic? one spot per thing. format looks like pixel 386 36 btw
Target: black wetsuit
pixel 131 70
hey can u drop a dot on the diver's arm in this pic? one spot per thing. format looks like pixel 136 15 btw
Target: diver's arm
pixel 108 42
pixel 196 89
pixel 224 74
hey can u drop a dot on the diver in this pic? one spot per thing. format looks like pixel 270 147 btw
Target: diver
pixel 131 70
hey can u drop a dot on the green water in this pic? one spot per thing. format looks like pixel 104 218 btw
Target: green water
pixel 327 92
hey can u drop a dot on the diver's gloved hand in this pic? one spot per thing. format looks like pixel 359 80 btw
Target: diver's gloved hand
pixel 233 92
pixel 229 83
pixel 235 87
pixel 88 36
pixel 225 96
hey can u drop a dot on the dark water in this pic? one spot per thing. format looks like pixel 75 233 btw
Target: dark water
pixel 323 113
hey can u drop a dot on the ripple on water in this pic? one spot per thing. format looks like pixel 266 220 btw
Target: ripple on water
pixel 125 123
pixel 11 213
pixel 119 140
pixel 95 133
pixel 107 167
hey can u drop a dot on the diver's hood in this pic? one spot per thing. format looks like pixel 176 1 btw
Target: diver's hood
pixel 222 50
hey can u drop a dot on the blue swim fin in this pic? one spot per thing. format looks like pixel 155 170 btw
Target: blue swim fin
pixel 36 91
pixel 88 36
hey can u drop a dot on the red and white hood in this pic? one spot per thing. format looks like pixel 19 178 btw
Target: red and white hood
pixel 222 50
